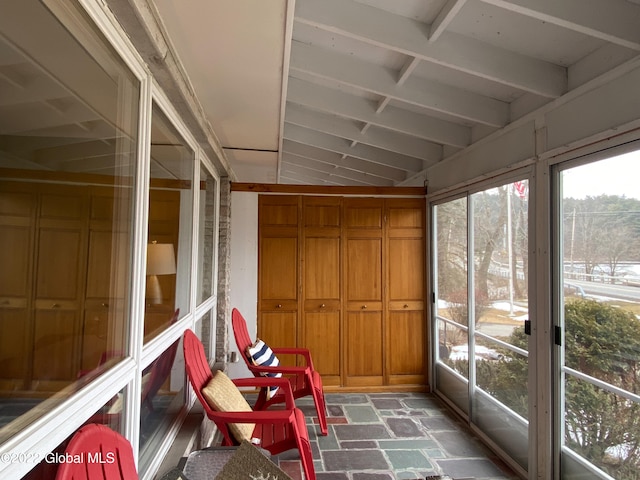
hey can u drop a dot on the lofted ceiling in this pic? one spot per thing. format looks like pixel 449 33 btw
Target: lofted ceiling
pixel 328 92
pixel 373 92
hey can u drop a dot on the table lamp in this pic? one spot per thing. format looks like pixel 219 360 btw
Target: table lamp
pixel 160 261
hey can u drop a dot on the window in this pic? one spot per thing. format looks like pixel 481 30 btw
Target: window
pixel 599 355
pixel 208 228
pixel 481 259
pixel 68 123
pixel 170 225
pixel 71 245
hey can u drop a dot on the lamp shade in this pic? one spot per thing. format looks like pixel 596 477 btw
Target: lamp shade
pixel 161 259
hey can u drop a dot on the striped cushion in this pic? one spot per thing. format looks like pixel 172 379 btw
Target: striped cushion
pixel 261 355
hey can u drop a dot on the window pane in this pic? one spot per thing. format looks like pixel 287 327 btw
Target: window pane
pixel 170 221
pixel 452 305
pixel 601 302
pixel 68 123
pixel 110 415
pixel 161 400
pixel 207 241
pixel 500 298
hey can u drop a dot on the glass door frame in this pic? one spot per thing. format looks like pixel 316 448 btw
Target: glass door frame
pixel 525 173
pixel 557 165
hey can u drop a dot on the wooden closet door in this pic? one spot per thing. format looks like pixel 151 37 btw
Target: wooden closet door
pixel 108 269
pixel 406 325
pixel 278 272
pixel 321 263
pixel 17 227
pixel 363 292
pixel 59 288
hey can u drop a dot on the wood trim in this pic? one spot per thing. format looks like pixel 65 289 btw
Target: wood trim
pixel 327 190
pixel 89 178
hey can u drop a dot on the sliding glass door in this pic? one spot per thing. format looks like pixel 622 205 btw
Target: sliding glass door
pixel 481 310
pixel 598 334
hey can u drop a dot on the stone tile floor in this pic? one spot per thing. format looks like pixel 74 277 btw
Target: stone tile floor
pixel 393 436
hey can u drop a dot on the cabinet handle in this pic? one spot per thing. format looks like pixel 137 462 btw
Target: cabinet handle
pixel 279 305
pixel 405 306
pixel 322 306
pixel 105 305
pixel 55 305
pixel 364 306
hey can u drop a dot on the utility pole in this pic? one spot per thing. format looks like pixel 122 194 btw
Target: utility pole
pixel 510 249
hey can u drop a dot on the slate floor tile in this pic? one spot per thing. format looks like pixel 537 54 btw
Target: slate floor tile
pixel 331 476
pixel 405 459
pixel 401 444
pixel 346 398
pixel 361 444
pixel 361 414
pixel 361 432
pixel 404 427
pixel 350 460
pixel 438 423
pixel 460 444
pixel 387 403
pixel 474 468
pixel 373 476
pixel 335 410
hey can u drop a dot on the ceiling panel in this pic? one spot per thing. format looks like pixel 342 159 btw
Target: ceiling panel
pixel 356 92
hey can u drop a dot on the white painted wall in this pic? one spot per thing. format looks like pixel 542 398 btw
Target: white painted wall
pixel 244 269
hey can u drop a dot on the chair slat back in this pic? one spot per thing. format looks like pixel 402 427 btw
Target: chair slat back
pixel 196 364
pixel 240 332
pixel 96 452
pixel 161 368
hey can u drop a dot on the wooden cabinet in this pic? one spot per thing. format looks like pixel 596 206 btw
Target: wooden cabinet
pixel 321 319
pixel 363 291
pixel 65 252
pixel 406 322
pixel 17 231
pixel 278 277
pixel 345 278
pixel 60 266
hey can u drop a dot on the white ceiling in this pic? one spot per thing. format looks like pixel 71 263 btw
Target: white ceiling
pixel 326 92
pixel 378 90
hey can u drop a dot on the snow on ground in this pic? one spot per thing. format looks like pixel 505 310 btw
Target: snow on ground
pixel 507 307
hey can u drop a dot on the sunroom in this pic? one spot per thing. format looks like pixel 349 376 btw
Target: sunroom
pixel 435 197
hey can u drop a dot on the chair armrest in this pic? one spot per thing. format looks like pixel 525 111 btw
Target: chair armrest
pixel 280 369
pixel 257 416
pixel 269 382
pixel 304 352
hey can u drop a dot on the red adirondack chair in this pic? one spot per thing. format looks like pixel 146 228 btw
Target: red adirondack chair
pixel 157 372
pixel 277 430
pixel 95 452
pixel 304 380
pixel 160 370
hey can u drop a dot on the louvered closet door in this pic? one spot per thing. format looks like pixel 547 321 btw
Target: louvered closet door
pixel 278 272
pixel 322 317
pixel 363 253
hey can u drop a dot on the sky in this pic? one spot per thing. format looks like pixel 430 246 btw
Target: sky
pixel 615 176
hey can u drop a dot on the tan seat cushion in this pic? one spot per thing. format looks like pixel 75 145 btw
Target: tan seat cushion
pixel 223 396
